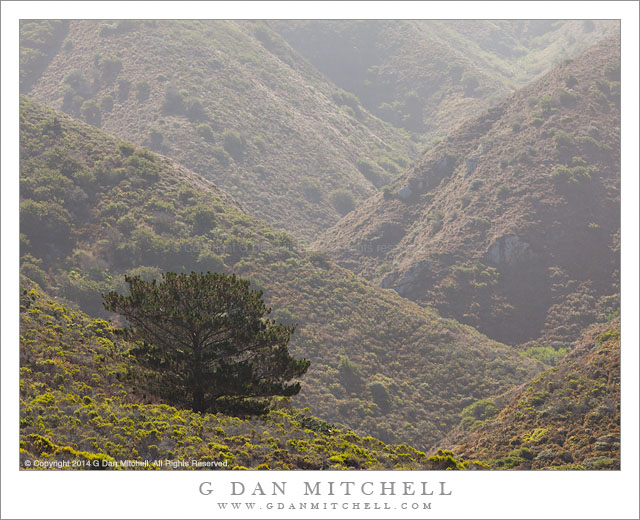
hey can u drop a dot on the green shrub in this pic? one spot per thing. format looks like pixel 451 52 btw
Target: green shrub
pixel 476 184
pixel 342 201
pixel 125 149
pixel 350 374
pixel 143 90
pixel 196 111
pixel 221 155
pixel 209 261
pixel 502 192
pixel 91 112
pixel 109 68
pixel 234 144
pixel 480 410
pixel 204 130
pixel 563 140
pixel 545 354
pixel 567 99
pixel 348 99
pixel 571 81
pixel 469 83
pixel 107 103
pixel 174 102
pixel 311 190
pixel 372 172
pixel 380 394
pixel 546 105
pixel 124 88
pixel 155 138
pixel 575 175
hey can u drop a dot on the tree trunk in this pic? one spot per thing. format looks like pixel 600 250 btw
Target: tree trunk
pixel 198 401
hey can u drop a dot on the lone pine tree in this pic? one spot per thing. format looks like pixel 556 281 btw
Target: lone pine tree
pixel 207 341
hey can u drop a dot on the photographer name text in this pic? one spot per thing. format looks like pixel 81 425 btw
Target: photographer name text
pixel 329 488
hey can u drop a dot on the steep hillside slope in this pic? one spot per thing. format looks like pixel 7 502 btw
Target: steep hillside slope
pixel 567 417
pixel 79 406
pixel 511 224
pixel 233 102
pixel 429 76
pixel 94 208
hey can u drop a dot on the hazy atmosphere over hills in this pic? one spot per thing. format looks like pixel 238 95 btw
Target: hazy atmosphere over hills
pixel 512 223
pixel 459 184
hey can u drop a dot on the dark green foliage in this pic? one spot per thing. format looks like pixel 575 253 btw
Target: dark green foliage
pixel 107 103
pixel 196 111
pixel 372 172
pixel 208 341
pixel 143 90
pixel 350 374
pixel 350 100
pixel 156 138
pixel 476 184
pixel 203 218
pixel 380 395
pixel 109 68
pixel 48 226
pixel 571 176
pixel 571 81
pixel 174 102
pixel 477 413
pixel 567 99
pixel 343 201
pixel 311 190
pixel 469 83
pixel 124 88
pixel 234 144
pixel 546 354
pixel 39 40
pixel 91 112
pixel 204 130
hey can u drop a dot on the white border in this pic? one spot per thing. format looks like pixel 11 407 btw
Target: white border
pixel 174 495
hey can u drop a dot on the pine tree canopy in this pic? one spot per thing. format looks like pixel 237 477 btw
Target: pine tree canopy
pixel 207 342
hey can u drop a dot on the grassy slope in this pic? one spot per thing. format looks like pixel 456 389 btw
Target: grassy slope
pixel 78 403
pixel 567 417
pixel 423 70
pixel 519 208
pixel 269 128
pixel 94 208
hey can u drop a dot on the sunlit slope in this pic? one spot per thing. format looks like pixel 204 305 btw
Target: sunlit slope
pixel 94 208
pixel 233 102
pixel 566 418
pixel 511 224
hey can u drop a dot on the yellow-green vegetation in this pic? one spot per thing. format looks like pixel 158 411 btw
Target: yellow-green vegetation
pixel 79 404
pixel 94 208
pixel 511 224
pixel 229 100
pixel 566 418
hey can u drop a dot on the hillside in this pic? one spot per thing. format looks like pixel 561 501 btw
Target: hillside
pixel 566 418
pixel 94 208
pixel 511 224
pixel 229 100
pixel 429 76
pixel 79 405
